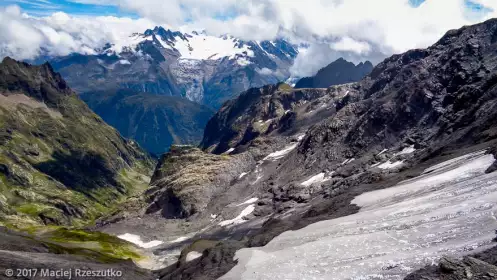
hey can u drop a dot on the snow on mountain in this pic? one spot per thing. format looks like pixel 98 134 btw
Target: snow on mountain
pixel 203 68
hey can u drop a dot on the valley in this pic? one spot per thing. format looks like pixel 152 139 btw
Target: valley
pixel 357 173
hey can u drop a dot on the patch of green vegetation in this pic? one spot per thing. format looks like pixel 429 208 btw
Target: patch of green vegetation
pixel 32 209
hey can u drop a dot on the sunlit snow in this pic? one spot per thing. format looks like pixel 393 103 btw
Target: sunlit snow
pixel 192 255
pixel 449 211
pixel 280 154
pixel 319 178
pixel 240 218
pixel 136 239
pixel 407 150
pixel 390 165
pixel 249 201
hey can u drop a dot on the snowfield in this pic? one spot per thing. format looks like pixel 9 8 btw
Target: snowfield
pixel 448 211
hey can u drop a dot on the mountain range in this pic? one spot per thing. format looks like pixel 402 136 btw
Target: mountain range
pixel 389 177
pixel 166 82
pixel 201 68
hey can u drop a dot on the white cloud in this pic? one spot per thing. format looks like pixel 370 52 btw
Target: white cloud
pixel 354 29
pixel 23 36
pixel 349 44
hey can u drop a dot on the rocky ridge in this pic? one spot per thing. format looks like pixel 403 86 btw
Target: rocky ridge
pixel 414 110
pixel 336 73
pixel 60 164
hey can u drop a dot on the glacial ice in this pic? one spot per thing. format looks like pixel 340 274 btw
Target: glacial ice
pixel 449 211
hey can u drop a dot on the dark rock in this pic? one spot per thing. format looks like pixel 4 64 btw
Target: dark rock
pixel 336 73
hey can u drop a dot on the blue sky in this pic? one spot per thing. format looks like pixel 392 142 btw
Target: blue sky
pixel 47 7
pixel 85 7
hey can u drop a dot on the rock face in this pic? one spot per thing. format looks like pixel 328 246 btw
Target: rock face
pixel 59 162
pixel 186 179
pixel 336 73
pixel 481 266
pixel 205 69
pixel 154 121
pixel 270 109
pixel 412 111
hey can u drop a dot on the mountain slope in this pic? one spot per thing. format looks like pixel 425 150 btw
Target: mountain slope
pixel 205 69
pixel 403 157
pixel 59 162
pixel 154 121
pixel 336 73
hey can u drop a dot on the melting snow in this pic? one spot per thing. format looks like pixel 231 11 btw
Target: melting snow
pixel 136 239
pixel 280 154
pixel 407 150
pixel 319 178
pixel 389 164
pixel 382 152
pixel 300 137
pixel 241 175
pixel 347 161
pixel 229 151
pixel 250 201
pixel 192 255
pixel 240 218
pixel 179 239
pixel 449 211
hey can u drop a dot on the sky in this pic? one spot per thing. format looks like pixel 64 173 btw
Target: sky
pixel 357 30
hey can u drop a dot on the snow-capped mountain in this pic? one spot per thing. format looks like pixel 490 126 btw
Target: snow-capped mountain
pixel 203 68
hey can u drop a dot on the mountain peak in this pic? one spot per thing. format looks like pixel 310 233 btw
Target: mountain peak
pixel 338 72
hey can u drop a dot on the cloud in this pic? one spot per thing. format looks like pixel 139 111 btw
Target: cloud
pixel 349 44
pixel 26 37
pixel 355 29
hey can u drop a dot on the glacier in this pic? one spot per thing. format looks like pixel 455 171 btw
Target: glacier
pixel 447 210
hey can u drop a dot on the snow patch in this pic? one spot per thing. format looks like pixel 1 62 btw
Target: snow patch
pixel 229 151
pixel 240 218
pixel 179 239
pixel 250 201
pixel 280 154
pixel 319 178
pixel 192 255
pixel 124 61
pixel 382 152
pixel 407 150
pixel 136 239
pixel 242 175
pixel 390 165
pixel 347 161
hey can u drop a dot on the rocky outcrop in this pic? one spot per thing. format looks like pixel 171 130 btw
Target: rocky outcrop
pixel 481 266
pixel 186 179
pixel 59 162
pixel 154 121
pixel 338 72
pixel 273 109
